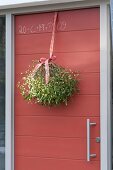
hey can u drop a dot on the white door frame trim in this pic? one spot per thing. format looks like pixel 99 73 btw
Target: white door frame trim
pixel 46 2
pixel 105 87
pixel 52 5
pixel 104 76
pixel 9 91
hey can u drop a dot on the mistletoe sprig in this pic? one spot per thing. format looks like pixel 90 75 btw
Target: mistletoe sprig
pixel 62 84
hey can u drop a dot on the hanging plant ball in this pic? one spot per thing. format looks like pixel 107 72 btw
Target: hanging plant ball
pixel 62 84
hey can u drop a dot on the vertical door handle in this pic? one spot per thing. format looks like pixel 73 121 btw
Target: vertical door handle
pixel 89 155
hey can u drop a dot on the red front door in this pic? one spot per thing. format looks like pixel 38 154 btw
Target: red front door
pixel 56 138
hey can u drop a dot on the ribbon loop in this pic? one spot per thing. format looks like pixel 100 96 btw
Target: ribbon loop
pixel 42 60
pixel 52 58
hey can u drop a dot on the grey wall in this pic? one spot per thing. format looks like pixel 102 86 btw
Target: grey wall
pixel 2 93
pixel 111 5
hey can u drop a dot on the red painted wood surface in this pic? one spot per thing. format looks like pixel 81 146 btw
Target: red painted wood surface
pixel 27 125
pixel 70 41
pixel 85 62
pixel 54 147
pixel 87 103
pixel 29 163
pixel 55 138
pixel 67 21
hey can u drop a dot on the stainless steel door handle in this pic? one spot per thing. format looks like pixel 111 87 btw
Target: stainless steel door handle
pixel 89 155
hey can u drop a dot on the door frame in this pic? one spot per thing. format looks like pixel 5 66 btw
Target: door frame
pixel 105 72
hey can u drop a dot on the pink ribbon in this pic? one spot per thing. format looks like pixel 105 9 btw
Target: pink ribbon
pixel 46 61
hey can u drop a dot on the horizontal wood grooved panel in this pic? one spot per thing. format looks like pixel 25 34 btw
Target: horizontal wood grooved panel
pixel 33 163
pixel 54 126
pixel 56 148
pixel 65 42
pixel 91 80
pixel 90 106
pixel 87 80
pixel 82 61
pixel 66 21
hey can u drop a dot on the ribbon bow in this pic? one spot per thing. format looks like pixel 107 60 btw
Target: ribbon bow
pixel 46 61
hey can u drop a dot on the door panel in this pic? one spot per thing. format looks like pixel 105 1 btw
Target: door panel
pixel 55 147
pixel 56 164
pixel 87 80
pixel 86 62
pixel 87 103
pixel 55 138
pixel 86 40
pixel 62 126
pixel 67 21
